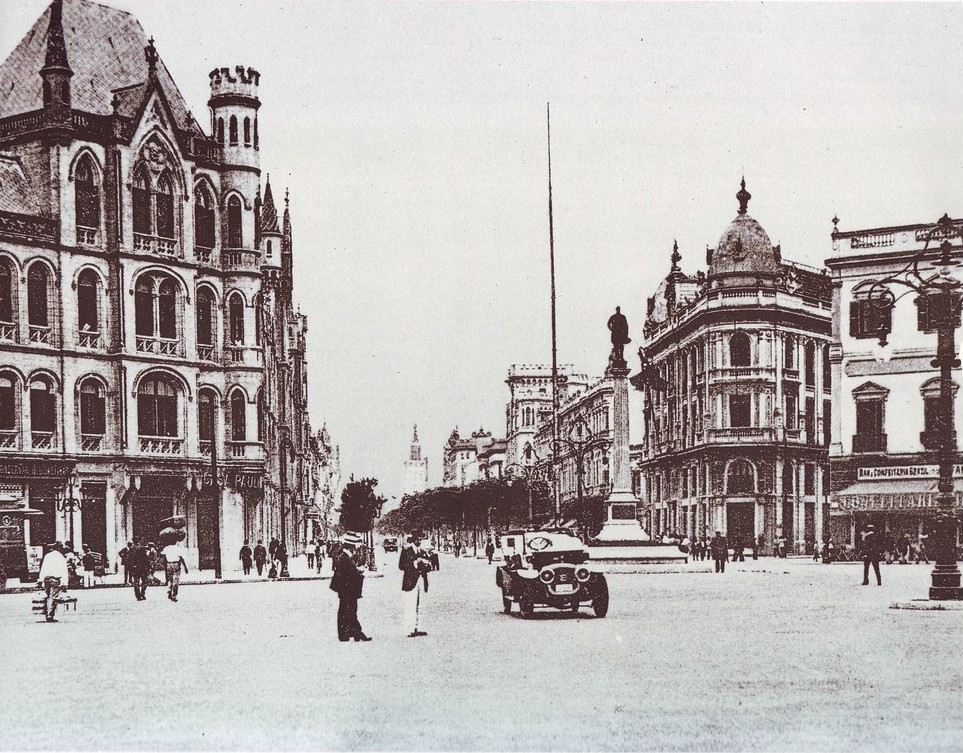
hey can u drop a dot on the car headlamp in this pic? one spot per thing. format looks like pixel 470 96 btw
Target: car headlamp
pixel 582 574
pixel 546 576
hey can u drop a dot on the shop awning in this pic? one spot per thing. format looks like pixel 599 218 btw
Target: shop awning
pixel 891 494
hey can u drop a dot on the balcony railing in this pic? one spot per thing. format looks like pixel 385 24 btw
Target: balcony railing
pixel 249 450
pixel 236 258
pixel 161 445
pixel 152 244
pixel 161 346
pixel 86 236
pixel 203 255
pixel 249 355
pixel 207 352
pixel 91 442
pixel 869 443
pixel 39 334
pixel 8 331
pixel 89 339
pixel 42 440
pixel 736 435
pixel 742 372
pixel 9 439
pixel 206 447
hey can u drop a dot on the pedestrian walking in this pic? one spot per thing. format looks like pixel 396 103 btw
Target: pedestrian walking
pixel 309 551
pixel 738 551
pixel 260 556
pixel 139 566
pixel 921 550
pixel 318 555
pixel 871 552
pixel 53 578
pixel 174 558
pixel 457 548
pixel 719 548
pixel 414 566
pixel 489 550
pixel 280 558
pixel 89 562
pixel 348 583
pixel 246 556
pixel 122 556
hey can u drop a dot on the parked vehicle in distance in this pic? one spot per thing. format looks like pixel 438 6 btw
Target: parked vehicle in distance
pixel 390 543
pixel 547 569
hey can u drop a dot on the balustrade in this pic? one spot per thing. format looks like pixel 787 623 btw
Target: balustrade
pixel 9 439
pixel 161 445
pixel 167 247
pixel 90 339
pixel 91 442
pixel 8 331
pixel 203 255
pixel 39 334
pixel 161 346
pixel 42 440
pixel 207 353
pixel 86 236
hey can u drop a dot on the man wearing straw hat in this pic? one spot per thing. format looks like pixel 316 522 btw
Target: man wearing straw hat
pixel 347 582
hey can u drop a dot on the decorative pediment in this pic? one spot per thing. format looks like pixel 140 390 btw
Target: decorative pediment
pixel 870 391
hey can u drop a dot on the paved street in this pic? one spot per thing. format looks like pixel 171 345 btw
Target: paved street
pixel 774 655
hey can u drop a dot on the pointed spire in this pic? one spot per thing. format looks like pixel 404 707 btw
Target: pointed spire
pixel 414 439
pixel 269 212
pixel 150 53
pixel 56 46
pixel 743 196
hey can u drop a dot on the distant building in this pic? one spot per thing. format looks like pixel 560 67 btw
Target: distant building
pixel 471 459
pixel 886 421
pixel 530 402
pixel 325 484
pixel 737 394
pixel 416 468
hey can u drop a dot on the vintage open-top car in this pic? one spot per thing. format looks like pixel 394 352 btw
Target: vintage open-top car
pixel 547 568
pixel 390 543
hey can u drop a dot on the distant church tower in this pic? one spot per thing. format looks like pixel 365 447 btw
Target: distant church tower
pixel 416 468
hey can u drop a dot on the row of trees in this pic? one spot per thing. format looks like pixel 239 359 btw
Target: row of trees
pixel 360 507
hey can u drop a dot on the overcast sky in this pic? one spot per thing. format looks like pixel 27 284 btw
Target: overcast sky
pixel 413 139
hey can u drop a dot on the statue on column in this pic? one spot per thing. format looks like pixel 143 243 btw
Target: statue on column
pixel 619 327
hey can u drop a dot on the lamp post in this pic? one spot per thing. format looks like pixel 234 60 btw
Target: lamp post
pixel 940 294
pixel 68 504
pixel 284 447
pixel 779 424
pixel 580 441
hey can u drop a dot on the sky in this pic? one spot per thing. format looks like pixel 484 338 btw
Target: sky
pixel 413 139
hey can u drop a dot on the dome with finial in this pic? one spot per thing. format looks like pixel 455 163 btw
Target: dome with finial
pixel 745 246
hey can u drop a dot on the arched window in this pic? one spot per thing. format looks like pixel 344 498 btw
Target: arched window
pixel 234 236
pixel 167 309
pixel 203 218
pixel 88 313
pixel 233 129
pixel 238 417
pixel 205 317
pixel 206 414
pixel 247 131
pixel 87 201
pixel 827 371
pixel 788 479
pixel 144 306
pixel 255 132
pixel 789 352
pixel 741 479
pixel 9 415
pixel 220 131
pixel 157 408
pixel 810 354
pixel 37 290
pixel 165 207
pixel 140 198
pixel 260 415
pixel 7 297
pixel 270 250
pixel 739 349
pixel 93 409
pixel 258 320
pixel 235 307
pixel 43 412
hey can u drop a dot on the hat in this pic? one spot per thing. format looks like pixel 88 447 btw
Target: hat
pixel 351 538
pixel 869 526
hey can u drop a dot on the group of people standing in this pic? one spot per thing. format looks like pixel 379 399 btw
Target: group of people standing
pixel 140 562
pixel 415 563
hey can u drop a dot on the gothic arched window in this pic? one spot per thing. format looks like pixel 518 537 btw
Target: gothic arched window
pixel 7 297
pixel 205 317
pixel 140 197
pixel 167 309
pixel 260 415
pixel 234 237
pixel 43 406
pixel 238 417
pixel 88 308
pixel 258 320
pixel 9 415
pixel 86 200
pixel 203 218
pixel 220 131
pixel 233 130
pixel 157 407
pixel 740 479
pixel 206 412
pixel 156 305
pixel 165 207
pixel 93 413
pixel 247 131
pixel 235 312
pixel 38 301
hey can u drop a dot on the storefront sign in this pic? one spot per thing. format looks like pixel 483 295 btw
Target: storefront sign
pixel 904 471
pixel 885 501
pixel 40 469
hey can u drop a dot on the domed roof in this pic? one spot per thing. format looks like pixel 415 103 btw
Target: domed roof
pixel 745 245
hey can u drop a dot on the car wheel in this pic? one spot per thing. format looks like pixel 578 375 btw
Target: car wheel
pixel 499 577
pixel 527 603
pixel 600 604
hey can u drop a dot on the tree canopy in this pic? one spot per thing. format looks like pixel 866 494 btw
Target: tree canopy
pixel 360 504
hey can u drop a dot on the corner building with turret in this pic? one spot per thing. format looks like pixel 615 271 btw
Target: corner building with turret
pixel 737 395
pixel 152 361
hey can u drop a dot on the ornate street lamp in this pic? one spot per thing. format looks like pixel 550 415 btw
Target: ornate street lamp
pixel 68 503
pixel 581 440
pixel 940 293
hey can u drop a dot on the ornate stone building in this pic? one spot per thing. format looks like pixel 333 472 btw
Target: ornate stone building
pixel 472 458
pixel 737 394
pixel 147 334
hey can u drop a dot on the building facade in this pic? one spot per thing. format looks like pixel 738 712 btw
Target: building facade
pixel 416 468
pixel 885 406
pixel 470 459
pixel 149 351
pixel 737 394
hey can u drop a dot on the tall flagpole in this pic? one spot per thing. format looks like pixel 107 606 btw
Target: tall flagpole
pixel 551 252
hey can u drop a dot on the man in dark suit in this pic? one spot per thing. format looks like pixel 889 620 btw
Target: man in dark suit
pixel 871 551
pixel 139 565
pixel 719 548
pixel 348 582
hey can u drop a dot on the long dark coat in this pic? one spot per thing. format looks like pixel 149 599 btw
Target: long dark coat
pixel 347 580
